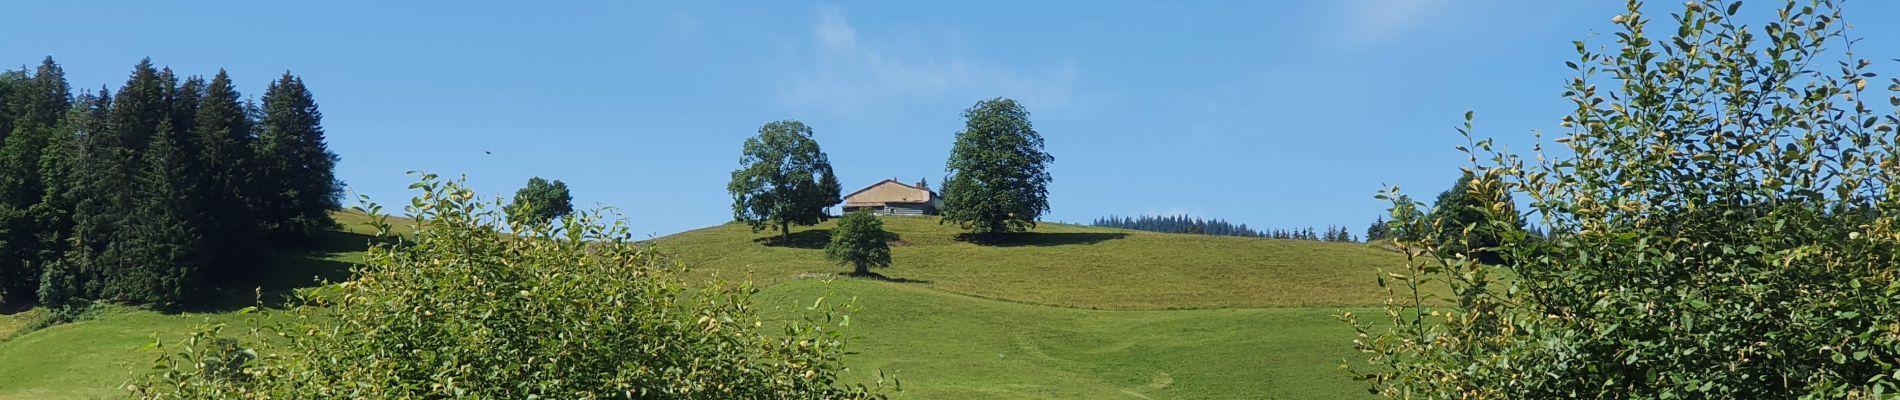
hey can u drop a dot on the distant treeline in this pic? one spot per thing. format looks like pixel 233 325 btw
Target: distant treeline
pixel 1218 227
pixel 151 193
pixel 1178 224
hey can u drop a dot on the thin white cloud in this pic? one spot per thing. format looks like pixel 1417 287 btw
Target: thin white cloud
pixel 1373 21
pixel 833 32
pixel 847 73
pixel 682 27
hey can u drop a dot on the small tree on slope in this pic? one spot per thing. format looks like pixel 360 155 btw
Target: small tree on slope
pixel 861 242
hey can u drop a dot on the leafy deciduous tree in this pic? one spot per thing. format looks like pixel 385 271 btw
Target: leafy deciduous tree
pixel 783 179
pixel 540 202
pixel 860 242
pixel 465 308
pixel 1726 228
pixel 999 177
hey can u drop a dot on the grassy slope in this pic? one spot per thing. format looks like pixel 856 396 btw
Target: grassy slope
pixel 1072 266
pixel 947 346
pixel 942 344
pixel 92 358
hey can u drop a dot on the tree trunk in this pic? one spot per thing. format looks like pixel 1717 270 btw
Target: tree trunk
pixel 784 232
pixel 864 269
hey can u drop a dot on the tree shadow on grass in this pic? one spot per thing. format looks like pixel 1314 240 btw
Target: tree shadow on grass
pixel 880 277
pixel 1041 239
pixel 284 271
pixel 810 239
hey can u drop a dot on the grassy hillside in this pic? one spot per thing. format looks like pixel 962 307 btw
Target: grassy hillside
pixel 947 346
pixel 1070 266
pixel 92 358
pixel 1071 312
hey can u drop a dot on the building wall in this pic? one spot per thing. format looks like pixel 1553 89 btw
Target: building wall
pixel 896 209
pixel 887 192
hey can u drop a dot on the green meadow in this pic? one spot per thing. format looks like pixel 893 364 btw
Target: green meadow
pixel 1066 312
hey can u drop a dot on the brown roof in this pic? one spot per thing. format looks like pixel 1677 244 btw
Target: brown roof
pixel 889 191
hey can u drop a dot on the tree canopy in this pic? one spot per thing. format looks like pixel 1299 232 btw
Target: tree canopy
pixel 783 179
pixel 998 173
pixel 860 242
pixel 464 308
pixel 1461 220
pixel 540 202
pixel 1722 225
pixel 153 193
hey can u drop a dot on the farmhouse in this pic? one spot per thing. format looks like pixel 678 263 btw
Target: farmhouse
pixel 891 197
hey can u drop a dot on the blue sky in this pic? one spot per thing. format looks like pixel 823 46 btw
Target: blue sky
pixel 1273 113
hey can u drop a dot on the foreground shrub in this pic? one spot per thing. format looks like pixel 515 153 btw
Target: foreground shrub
pixel 463 309
pixel 1723 225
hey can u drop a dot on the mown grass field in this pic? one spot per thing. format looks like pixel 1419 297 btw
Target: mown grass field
pixel 947 346
pixel 1070 312
pixel 1070 266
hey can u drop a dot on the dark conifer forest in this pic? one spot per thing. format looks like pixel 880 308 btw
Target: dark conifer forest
pixel 155 192
pixel 1218 227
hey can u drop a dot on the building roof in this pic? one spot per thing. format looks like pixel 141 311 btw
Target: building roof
pixel 889 191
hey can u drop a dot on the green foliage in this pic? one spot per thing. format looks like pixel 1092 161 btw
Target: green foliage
pixel 298 182
pixel 783 179
pixel 1378 230
pixel 229 188
pixel 463 308
pixel 860 242
pixel 129 211
pixel 1725 227
pixel 35 107
pixel 999 174
pixel 1460 217
pixel 540 202
pixel 165 233
pixel 106 183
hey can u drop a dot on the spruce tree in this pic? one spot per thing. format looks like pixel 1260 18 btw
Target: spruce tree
pixel 1377 231
pixel 1456 211
pixel 106 189
pixel 64 280
pixel 223 133
pixel 299 178
pixel 37 106
pixel 166 248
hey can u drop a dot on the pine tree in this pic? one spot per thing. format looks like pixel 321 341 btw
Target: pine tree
pixel 299 182
pixel 223 133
